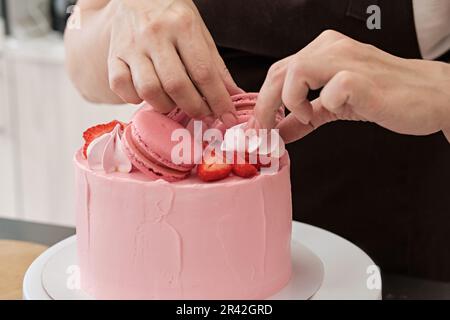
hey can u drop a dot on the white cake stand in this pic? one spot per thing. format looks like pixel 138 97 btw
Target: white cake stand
pixel 325 266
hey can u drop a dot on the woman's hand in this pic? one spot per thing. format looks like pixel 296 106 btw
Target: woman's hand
pixel 360 82
pixel 161 52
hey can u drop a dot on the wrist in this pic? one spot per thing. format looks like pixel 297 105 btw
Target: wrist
pixel 443 86
pixel 446 110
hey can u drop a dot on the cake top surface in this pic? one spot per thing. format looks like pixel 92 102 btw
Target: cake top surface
pixel 137 176
pixel 178 149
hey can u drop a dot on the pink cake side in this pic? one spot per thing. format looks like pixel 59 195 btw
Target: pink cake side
pixel 140 239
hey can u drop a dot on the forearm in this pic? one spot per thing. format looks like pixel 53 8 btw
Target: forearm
pixel 87 54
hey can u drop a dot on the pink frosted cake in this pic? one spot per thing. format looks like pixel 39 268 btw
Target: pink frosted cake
pixel 142 236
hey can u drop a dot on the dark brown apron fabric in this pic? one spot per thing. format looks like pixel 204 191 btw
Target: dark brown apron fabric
pixel 388 193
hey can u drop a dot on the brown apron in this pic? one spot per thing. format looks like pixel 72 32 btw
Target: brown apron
pixel 388 193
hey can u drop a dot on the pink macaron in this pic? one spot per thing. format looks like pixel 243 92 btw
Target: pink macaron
pixel 148 144
pixel 247 101
pixel 245 104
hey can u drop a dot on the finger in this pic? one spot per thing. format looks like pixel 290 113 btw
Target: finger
pixel 269 98
pixel 175 81
pixel 147 84
pixel 197 59
pixel 325 39
pixel 294 95
pixel 291 129
pixel 224 73
pixel 120 81
pixel 303 75
pixel 348 94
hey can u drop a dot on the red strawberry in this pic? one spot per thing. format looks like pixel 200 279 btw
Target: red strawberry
pixel 94 132
pixel 213 170
pixel 250 159
pixel 245 170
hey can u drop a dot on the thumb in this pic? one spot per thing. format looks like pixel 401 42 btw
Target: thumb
pixel 292 129
pixel 447 134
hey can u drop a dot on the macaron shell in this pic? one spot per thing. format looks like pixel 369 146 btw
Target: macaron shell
pixel 155 157
pixel 152 132
pixel 151 169
pixel 245 104
pixel 247 101
pixel 244 99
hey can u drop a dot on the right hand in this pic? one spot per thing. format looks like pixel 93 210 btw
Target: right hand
pixel 161 52
pixel 358 82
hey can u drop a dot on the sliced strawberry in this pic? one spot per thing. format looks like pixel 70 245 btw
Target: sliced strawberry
pixel 251 159
pixel 213 170
pixel 245 170
pixel 94 132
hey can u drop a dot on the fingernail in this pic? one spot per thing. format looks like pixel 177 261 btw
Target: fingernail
pixel 229 119
pixel 304 113
pixel 250 123
pixel 253 123
pixel 303 118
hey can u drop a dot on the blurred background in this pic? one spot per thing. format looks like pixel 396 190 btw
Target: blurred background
pixel 42 117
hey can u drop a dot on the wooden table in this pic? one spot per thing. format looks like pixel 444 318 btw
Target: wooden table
pixel 15 258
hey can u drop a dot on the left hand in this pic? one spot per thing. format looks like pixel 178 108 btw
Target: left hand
pixel 360 82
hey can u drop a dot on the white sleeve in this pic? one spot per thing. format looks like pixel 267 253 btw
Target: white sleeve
pixel 432 19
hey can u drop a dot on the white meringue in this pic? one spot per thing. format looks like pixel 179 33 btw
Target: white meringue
pixel 252 141
pixel 106 154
